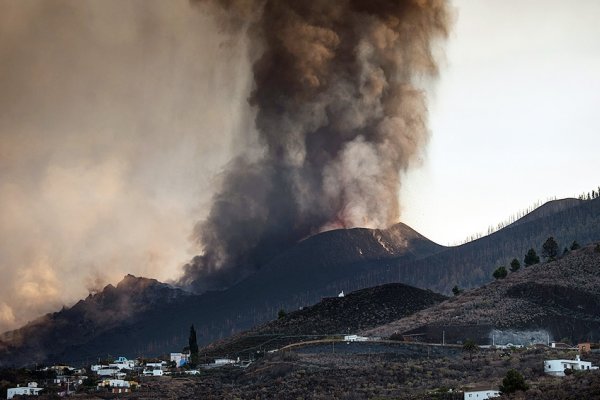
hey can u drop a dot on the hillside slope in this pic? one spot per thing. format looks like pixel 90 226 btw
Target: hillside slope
pixel 317 267
pixel 549 208
pixel 561 298
pixel 472 264
pixel 146 317
pixel 98 313
pixel 334 315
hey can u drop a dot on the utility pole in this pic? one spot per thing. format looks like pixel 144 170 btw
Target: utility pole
pixel 69 386
pixel 443 338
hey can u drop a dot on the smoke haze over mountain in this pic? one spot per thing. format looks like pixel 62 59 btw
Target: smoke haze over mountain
pixel 116 119
pixel 341 111
pixel 113 117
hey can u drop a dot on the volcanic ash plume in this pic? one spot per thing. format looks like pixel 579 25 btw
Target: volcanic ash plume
pixel 339 114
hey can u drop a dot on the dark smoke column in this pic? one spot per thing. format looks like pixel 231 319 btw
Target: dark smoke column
pixel 339 114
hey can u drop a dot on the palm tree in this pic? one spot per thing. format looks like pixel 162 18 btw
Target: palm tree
pixel 471 347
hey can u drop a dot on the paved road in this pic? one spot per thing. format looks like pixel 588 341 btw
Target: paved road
pixel 408 350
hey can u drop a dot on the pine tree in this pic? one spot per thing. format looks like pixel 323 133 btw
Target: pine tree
pixel 550 249
pixel 575 245
pixel 531 258
pixel 456 290
pixel 193 345
pixel 515 265
pixel 500 273
pixel 281 314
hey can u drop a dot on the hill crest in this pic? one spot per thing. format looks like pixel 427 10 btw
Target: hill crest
pixel 561 297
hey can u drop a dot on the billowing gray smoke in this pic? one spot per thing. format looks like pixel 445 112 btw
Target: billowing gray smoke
pixel 340 113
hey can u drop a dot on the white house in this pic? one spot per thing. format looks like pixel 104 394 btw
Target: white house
pixel 108 371
pixel 192 372
pixel 115 383
pixel 153 372
pixel 180 359
pixel 224 361
pixel 97 367
pixel 157 365
pixel 558 367
pixel 31 389
pixel 481 394
pixel 123 363
pixel 355 338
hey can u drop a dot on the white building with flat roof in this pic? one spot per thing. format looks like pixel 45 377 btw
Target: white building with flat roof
pixel 109 371
pixel 114 383
pixel 558 367
pixel 355 338
pixel 122 363
pixel 31 389
pixel 224 361
pixel 153 372
pixel 481 394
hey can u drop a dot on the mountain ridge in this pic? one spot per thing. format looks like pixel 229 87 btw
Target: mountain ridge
pixel 331 316
pixel 561 297
pixel 317 267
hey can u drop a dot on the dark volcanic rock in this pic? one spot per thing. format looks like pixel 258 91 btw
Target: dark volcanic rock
pixel 145 317
pixel 357 310
pixel 320 266
pixel 98 313
pixel 333 316
pixel 561 297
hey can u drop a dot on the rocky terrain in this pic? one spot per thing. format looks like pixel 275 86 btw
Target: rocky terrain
pixel 145 317
pixel 332 316
pixel 98 313
pixel 561 297
pixel 578 386
pixel 338 375
pixel 317 267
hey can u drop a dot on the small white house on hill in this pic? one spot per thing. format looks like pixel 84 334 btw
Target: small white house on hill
pixel 481 394
pixel 157 365
pixel 224 361
pixel 114 383
pixel 558 367
pixel 153 372
pixel 123 363
pixel 31 389
pixel 117 385
pixel 355 338
pixel 110 371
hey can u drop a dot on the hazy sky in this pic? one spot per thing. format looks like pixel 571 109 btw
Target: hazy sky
pixel 117 116
pixel 515 115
